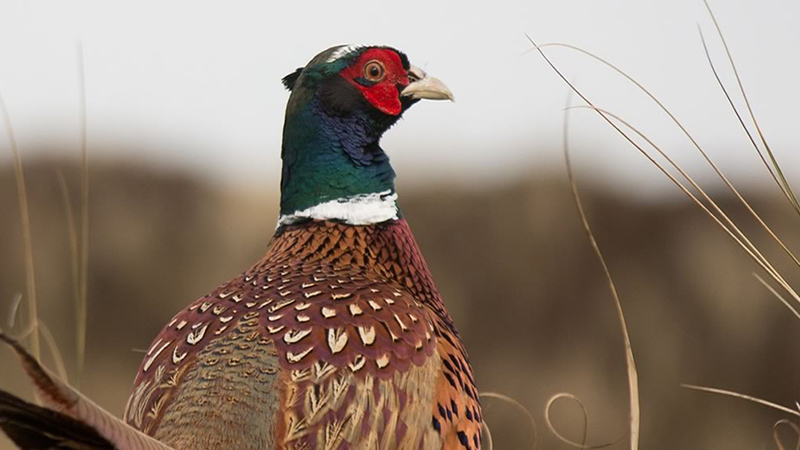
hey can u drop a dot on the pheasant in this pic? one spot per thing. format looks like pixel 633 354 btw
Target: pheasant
pixel 336 339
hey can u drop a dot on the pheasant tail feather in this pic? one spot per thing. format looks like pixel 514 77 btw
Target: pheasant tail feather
pixel 34 427
pixel 69 420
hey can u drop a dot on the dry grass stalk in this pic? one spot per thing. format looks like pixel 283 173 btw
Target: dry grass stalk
pixel 72 236
pixel 743 397
pixel 780 180
pixel 82 299
pixel 50 342
pixel 630 362
pixel 30 279
pixel 713 210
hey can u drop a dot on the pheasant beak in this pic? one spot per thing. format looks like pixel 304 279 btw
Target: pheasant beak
pixel 422 86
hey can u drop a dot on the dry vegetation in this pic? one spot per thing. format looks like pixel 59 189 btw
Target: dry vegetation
pixel 526 291
pixel 773 279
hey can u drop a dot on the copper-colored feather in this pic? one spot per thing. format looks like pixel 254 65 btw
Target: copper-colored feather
pixel 336 339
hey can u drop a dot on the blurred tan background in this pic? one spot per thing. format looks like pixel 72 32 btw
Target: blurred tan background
pixel 184 113
pixel 512 263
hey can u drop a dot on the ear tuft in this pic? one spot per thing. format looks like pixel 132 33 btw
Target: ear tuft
pixel 339 96
pixel 291 79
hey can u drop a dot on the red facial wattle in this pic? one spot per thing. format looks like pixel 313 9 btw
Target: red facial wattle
pixel 383 94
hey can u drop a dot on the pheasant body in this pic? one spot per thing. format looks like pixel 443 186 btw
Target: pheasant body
pixel 337 338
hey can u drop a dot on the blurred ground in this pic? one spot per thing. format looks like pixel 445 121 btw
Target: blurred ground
pixel 512 263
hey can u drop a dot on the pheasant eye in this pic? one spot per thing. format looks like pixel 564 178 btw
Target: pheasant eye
pixel 374 70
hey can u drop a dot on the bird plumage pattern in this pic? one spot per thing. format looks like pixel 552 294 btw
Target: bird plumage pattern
pixel 337 338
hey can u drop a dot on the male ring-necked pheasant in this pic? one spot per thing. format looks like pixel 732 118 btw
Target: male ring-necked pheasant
pixel 336 339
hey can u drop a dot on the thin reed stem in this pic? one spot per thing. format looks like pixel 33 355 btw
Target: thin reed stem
pixel 82 306
pixel 72 235
pixel 742 396
pixel 697 146
pixel 49 340
pixel 630 362
pixel 22 193
pixel 783 184
pixel 730 227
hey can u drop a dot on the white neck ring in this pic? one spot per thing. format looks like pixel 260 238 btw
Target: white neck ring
pixel 361 209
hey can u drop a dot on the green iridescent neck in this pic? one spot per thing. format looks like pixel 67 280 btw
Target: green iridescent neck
pixel 331 160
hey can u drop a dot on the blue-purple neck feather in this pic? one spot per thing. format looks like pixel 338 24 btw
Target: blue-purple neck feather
pixel 330 154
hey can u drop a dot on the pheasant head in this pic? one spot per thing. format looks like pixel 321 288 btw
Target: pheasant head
pixel 341 103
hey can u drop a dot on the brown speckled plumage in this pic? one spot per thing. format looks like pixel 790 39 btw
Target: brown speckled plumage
pixel 336 339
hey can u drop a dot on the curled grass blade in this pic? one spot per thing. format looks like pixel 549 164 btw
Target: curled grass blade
pixel 534 429
pixel 776 437
pixel 580 445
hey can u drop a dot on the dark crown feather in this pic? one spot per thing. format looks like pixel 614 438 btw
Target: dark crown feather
pixel 291 79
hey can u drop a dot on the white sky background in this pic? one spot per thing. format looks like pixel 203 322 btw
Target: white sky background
pixel 196 85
